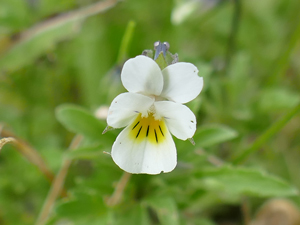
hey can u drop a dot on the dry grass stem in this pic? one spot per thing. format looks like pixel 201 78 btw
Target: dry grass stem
pixel 4 141
pixel 116 197
pixel 29 153
pixel 63 19
pixel 57 185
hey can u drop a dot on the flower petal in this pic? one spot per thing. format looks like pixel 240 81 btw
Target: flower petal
pixel 179 119
pixel 125 107
pixel 142 75
pixel 138 154
pixel 181 82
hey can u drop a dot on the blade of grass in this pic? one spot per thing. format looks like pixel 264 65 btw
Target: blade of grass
pixel 283 62
pixel 235 24
pixel 270 132
pixel 126 42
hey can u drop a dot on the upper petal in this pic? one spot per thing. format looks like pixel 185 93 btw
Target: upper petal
pixel 142 75
pixel 138 154
pixel 125 107
pixel 181 82
pixel 180 120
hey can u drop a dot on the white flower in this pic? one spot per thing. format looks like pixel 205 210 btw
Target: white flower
pixel 150 111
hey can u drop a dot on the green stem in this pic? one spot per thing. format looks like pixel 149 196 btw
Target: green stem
pixel 235 24
pixel 284 60
pixel 125 42
pixel 271 131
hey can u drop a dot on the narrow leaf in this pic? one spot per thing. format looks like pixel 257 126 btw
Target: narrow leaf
pixel 270 132
pixel 44 36
pixel 245 181
pixel 79 120
pixel 85 152
pixel 207 136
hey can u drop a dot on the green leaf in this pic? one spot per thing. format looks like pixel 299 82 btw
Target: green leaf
pixel 44 36
pixel 209 135
pixel 78 120
pixel 83 204
pixel 246 181
pixel 285 99
pixel 36 46
pixel 85 152
pixel 166 209
pixel 135 215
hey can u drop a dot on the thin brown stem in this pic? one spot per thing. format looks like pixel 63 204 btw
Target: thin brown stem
pixel 29 153
pixel 57 185
pixel 4 141
pixel 210 158
pixel 246 211
pixel 116 197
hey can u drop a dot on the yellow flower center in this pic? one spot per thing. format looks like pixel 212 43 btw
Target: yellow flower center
pixel 149 128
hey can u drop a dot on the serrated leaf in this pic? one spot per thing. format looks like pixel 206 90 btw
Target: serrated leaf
pixel 166 209
pixel 79 120
pixel 207 136
pixel 246 181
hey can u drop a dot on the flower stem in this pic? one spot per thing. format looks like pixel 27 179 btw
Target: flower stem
pixel 245 210
pixel 57 185
pixel 116 197
pixel 271 131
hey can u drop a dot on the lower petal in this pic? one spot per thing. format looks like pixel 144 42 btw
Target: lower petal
pixel 146 146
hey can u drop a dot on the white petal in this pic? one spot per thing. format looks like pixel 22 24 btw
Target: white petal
pixel 181 82
pixel 141 155
pixel 180 120
pixel 142 75
pixel 125 107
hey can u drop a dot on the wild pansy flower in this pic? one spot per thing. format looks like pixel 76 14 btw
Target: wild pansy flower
pixel 151 110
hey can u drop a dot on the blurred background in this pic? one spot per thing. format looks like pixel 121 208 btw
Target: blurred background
pixel 61 60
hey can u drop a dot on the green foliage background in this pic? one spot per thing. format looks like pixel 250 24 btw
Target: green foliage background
pixel 53 81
